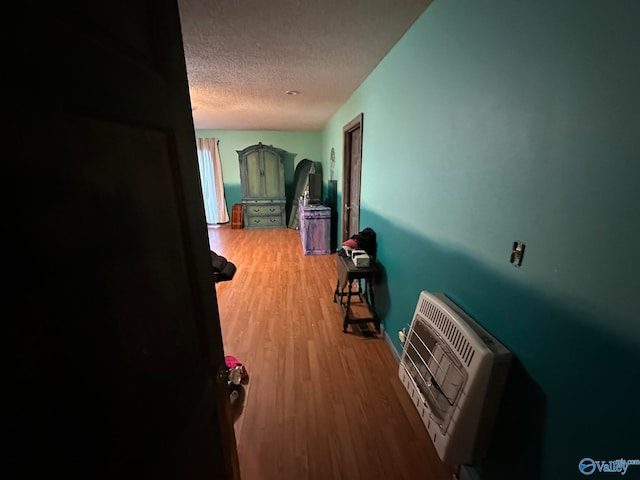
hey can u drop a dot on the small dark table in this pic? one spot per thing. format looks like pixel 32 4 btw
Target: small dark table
pixel 347 273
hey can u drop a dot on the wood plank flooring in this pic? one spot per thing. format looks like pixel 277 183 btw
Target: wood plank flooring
pixel 320 403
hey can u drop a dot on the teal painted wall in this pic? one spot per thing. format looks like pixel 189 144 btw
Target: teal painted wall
pixel 298 145
pixel 497 121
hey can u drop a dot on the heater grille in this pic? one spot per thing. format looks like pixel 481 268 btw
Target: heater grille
pixel 454 371
pixel 443 322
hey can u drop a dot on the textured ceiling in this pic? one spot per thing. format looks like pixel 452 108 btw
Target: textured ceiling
pixel 243 55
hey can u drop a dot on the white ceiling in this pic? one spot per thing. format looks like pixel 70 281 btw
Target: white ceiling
pixel 243 55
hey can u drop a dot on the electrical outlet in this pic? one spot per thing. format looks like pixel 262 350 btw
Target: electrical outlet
pixel 402 336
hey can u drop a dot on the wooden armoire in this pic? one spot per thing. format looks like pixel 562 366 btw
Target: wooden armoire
pixel 263 190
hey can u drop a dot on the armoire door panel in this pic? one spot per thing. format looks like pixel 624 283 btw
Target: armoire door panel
pixel 255 178
pixel 272 179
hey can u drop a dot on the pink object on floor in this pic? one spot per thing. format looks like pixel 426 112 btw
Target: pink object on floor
pixel 233 362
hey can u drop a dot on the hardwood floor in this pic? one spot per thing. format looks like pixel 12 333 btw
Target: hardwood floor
pixel 320 404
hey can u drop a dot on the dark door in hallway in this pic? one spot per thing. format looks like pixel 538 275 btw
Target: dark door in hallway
pixel 352 168
pixel 115 337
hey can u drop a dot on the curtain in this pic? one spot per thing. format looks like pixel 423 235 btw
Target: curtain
pixel 215 205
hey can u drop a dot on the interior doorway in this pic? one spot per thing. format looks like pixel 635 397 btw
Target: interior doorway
pixel 351 173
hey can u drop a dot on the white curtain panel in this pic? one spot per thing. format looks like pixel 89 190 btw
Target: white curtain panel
pixel 215 205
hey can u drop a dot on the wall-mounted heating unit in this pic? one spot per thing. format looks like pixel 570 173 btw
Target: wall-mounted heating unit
pixel 454 371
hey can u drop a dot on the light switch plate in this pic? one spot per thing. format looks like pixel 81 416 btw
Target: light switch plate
pixel 517 253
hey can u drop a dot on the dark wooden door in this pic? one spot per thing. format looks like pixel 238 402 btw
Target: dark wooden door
pixel 115 336
pixel 352 168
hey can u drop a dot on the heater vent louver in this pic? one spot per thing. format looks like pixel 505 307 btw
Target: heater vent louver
pixel 442 321
pixel 454 371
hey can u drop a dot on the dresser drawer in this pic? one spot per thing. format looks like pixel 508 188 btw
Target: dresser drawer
pixel 262 210
pixel 265 221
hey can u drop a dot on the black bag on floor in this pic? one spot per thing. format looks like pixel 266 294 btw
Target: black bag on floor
pixel 223 270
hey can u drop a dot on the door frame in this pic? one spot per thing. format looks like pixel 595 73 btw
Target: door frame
pixel 348 196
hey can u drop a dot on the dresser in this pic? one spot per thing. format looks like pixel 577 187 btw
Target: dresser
pixel 263 192
pixel 315 228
